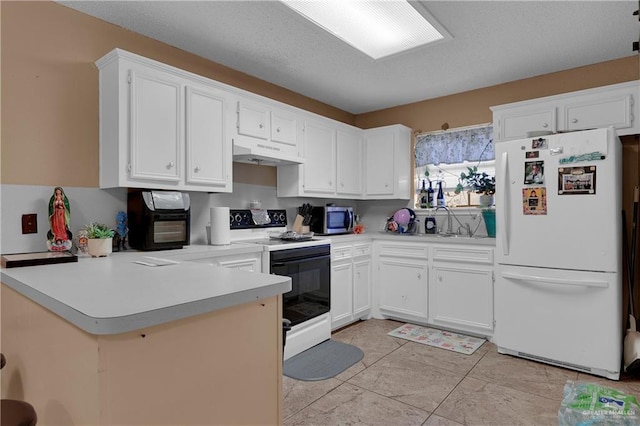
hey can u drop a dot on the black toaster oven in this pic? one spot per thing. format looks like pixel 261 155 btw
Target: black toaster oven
pixel 158 220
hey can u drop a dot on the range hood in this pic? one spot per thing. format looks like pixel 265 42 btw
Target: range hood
pixel 261 153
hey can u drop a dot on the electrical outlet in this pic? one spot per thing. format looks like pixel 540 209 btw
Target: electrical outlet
pixel 30 223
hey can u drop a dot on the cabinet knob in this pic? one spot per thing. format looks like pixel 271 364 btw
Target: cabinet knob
pixel 261 125
pixel 419 276
pixel 197 169
pixel 575 120
pixel 440 278
pixel 545 125
pixel 386 185
pixel 170 165
pixel 330 183
pixel 278 130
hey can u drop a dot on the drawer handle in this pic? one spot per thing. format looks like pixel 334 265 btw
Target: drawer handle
pixel 197 169
pixel 545 125
pixel 170 165
pixel 575 120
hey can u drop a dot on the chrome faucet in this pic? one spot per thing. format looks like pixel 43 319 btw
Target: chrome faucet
pixel 449 219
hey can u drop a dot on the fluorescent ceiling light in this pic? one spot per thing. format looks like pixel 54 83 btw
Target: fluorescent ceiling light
pixel 378 28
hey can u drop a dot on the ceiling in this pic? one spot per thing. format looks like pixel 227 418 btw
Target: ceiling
pixel 493 42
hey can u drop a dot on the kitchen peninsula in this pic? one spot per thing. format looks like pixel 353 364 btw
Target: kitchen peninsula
pixel 111 341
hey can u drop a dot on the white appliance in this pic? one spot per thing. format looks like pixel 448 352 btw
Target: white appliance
pixel 558 289
pixel 309 268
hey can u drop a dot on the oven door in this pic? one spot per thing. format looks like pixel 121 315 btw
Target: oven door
pixel 310 274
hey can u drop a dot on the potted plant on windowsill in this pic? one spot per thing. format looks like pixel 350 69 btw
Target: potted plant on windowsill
pixel 479 182
pixel 99 239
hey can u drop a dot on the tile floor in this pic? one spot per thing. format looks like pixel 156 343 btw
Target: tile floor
pixel 399 382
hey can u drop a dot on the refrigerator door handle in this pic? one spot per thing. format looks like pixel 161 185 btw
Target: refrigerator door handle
pixel 561 281
pixel 504 204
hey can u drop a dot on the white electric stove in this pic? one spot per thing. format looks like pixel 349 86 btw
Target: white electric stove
pixel 306 261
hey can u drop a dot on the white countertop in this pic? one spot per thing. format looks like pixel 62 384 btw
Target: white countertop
pixel 113 294
pixel 418 238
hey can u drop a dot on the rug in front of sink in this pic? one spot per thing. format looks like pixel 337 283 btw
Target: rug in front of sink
pixel 438 338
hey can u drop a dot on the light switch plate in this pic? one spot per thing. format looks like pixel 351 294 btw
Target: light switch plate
pixel 30 223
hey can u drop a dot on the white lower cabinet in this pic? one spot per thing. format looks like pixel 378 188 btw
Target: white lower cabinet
pixel 444 285
pixel 350 283
pixel 461 288
pixel 402 280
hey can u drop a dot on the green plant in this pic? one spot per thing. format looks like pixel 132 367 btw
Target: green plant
pixel 480 182
pixel 97 230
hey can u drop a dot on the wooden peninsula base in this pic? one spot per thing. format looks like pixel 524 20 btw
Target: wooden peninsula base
pixel 223 367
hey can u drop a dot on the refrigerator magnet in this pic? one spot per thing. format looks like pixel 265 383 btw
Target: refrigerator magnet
pixel 534 201
pixel 539 143
pixel 533 172
pixel 532 154
pixel 577 180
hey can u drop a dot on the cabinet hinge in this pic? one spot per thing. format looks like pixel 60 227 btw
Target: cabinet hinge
pixel 129 77
pixel 128 167
pixel 493 277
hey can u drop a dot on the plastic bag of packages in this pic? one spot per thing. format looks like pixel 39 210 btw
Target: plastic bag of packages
pixel 586 404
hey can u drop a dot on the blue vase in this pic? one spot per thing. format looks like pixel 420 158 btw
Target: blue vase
pixel 489 216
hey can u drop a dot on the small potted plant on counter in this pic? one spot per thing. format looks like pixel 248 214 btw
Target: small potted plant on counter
pixel 100 239
pixel 479 182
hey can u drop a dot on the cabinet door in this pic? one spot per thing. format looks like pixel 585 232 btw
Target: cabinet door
pixel 599 111
pixel 349 163
pixel 341 290
pixel 155 126
pixel 253 120
pixel 361 287
pixel 284 128
pixel 461 297
pixel 403 288
pixel 208 146
pixel 319 155
pixel 515 124
pixel 379 162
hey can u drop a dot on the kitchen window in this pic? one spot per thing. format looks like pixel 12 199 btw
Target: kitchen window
pixel 447 153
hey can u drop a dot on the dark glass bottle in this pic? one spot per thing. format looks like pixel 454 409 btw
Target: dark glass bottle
pixel 440 200
pixel 424 202
pixel 431 202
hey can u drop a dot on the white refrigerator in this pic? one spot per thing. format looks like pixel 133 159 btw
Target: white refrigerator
pixel 558 294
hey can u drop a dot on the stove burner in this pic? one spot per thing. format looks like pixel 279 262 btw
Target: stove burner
pixel 242 219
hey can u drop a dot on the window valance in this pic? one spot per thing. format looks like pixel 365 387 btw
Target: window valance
pixel 455 146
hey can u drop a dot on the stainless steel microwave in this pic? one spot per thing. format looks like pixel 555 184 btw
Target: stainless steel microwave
pixel 330 220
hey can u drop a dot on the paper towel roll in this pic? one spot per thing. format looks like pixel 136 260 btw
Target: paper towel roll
pixel 220 234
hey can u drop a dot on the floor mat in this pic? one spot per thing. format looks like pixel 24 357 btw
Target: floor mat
pixel 322 361
pixel 438 338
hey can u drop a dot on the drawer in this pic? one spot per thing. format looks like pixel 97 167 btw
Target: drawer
pixel 483 255
pixel 405 250
pixel 340 252
pixel 362 250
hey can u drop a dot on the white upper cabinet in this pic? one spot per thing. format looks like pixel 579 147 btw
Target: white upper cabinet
pixel 156 138
pixel 614 105
pixel 266 133
pixel 349 163
pixel 333 163
pixel 161 127
pixel 320 154
pixel 387 153
pixel 253 120
pixel 208 150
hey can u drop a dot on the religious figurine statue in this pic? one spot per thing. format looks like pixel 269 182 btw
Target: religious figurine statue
pixel 122 230
pixel 59 237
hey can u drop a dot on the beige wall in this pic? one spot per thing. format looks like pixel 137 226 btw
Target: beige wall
pixel 468 108
pixel 50 91
pixel 49 88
